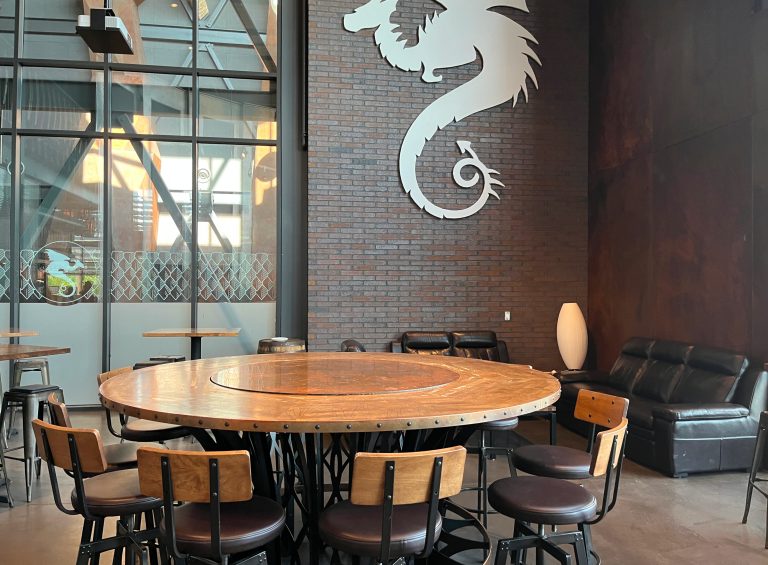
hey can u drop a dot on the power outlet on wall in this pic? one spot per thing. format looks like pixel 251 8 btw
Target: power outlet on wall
pixel 507 316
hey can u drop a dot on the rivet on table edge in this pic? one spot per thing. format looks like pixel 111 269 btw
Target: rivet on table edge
pixel 285 426
pixel 200 422
pixel 349 426
pixel 409 424
pixel 226 424
pixel 378 425
pixel 437 421
pixel 317 426
pixel 255 426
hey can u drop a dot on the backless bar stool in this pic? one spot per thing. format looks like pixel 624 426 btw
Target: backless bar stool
pixel 21 366
pixel 31 399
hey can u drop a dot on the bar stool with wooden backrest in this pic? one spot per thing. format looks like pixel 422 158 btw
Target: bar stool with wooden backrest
pixel 758 461
pixel 560 462
pixel 118 455
pixel 547 501
pixel 392 512
pixel 97 494
pixel 220 516
pixel 137 429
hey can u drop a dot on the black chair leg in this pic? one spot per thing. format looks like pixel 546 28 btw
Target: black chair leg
pixel 98 534
pixel 586 532
pixel 481 462
pixel 553 428
pixel 502 552
pixel 762 439
pixel 582 555
pixel 83 556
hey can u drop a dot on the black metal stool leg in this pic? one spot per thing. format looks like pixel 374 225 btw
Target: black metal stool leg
pixel 762 439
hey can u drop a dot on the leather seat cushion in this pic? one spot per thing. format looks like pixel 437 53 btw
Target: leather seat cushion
pixel 115 494
pixel 146 430
pixel 500 425
pixel 640 412
pixel 542 500
pixel 121 454
pixel 356 529
pixel 244 526
pixel 552 461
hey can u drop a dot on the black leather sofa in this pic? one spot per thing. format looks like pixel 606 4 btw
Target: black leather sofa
pixel 691 408
pixel 477 345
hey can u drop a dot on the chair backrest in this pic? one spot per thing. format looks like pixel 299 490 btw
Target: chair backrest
pixel 427 343
pixel 604 447
pixel 54 442
pixel 413 473
pixel 190 473
pixel 59 412
pixel 104 377
pixel 604 410
pixel 352 346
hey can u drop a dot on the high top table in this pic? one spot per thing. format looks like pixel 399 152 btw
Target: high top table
pixel 313 400
pixel 195 336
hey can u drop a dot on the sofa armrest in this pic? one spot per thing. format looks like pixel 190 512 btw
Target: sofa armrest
pixel 585 376
pixel 688 412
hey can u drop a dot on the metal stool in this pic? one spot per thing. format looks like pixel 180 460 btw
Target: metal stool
pixel 21 366
pixel 31 399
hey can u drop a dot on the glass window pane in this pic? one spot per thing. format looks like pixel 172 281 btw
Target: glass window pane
pixel 7 23
pixel 6 97
pixel 238 35
pixel 238 109
pixel 151 104
pixel 61 233
pixel 152 208
pixel 165 36
pixel 5 224
pixel 62 99
pixel 49 30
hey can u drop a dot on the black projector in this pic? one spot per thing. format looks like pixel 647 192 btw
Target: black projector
pixel 104 32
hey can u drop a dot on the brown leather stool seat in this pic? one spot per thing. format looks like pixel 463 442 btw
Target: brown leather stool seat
pixel 356 529
pixel 149 431
pixel 244 526
pixel 115 494
pixel 552 461
pixel 542 500
pixel 500 425
pixel 121 455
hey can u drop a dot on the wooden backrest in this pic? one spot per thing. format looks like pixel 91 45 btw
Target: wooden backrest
pixel 190 473
pixel 413 475
pixel 605 410
pixel 104 377
pixel 601 453
pixel 59 412
pixel 90 448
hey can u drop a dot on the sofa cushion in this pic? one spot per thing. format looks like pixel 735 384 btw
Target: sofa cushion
pixel 663 371
pixel 640 413
pixel 477 345
pixel 427 343
pixel 629 365
pixel 570 392
pixel 711 376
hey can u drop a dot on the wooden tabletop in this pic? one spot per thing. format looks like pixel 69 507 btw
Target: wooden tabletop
pixel 15 332
pixel 194 332
pixel 16 351
pixel 330 392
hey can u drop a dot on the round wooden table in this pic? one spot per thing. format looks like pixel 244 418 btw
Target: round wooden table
pixel 325 407
pixel 330 392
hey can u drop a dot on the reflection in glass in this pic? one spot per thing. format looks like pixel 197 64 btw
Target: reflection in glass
pixel 151 104
pixel 7 18
pixel 238 35
pixel 49 30
pixel 62 99
pixel 240 109
pixel 61 222
pixel 237 223
pixel 152 209
pixel 5 218
pixel 6 97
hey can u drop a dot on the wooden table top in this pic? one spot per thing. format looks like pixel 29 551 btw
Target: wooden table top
pixel 193 332
pixel 12 351
pixel 15 332
pixel 330 392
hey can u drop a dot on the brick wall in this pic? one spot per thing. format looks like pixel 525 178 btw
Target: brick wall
pixel 377 264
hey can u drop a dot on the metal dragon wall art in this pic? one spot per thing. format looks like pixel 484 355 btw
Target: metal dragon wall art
pixel 453 38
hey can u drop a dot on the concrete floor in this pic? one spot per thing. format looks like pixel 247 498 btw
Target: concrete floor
pixel 657 521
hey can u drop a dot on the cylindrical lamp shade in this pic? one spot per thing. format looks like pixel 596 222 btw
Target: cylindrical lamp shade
pixel 572 335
